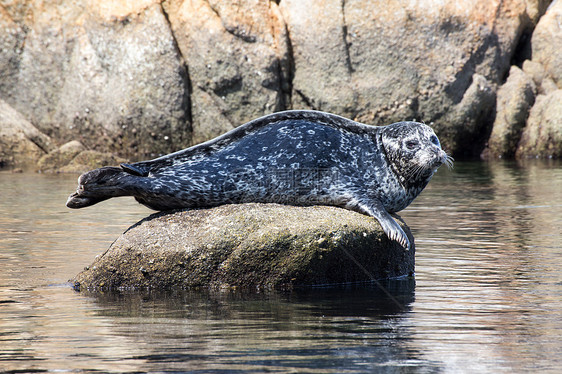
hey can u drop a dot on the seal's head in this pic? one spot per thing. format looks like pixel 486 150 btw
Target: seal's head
pixel 414 152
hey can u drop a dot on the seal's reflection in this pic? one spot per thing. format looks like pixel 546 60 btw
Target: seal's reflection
pixel 317 328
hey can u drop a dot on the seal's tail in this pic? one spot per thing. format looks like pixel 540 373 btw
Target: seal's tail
pixel 102 184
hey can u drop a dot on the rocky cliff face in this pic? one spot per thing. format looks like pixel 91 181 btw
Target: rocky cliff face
pixel 148 77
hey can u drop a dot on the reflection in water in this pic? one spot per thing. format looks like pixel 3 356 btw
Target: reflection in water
pixel 316 330
pixel 487 295
pixel 489 273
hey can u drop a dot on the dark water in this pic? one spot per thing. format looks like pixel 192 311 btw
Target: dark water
pixel 487 296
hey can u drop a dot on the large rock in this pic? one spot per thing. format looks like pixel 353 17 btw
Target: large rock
pixel 12 40
pixel 515 98
pixel 468 122
pixel 149 77
pixel 546 42
pixel 21 144
pixel 517 131
pixel 381 62
pixel 73 157
pixel 542 81
pixel 322 67
pixel 542 137
pixel 249 246
pixel 237 56
pixel 60 157
pixel 106 73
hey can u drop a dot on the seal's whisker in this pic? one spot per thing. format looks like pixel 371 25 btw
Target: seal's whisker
pixel 414 172
pixel 449 161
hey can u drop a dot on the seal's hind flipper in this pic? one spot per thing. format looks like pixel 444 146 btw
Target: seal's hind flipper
pixel 99 185
pixel 75 201
pixel 131 169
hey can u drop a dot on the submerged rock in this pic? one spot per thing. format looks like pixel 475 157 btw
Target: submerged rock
pixel 249 246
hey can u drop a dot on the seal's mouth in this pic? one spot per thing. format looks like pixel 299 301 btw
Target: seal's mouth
pixel 436 163
pixel 442 158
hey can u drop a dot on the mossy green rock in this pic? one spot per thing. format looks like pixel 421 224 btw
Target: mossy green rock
pixel 252 246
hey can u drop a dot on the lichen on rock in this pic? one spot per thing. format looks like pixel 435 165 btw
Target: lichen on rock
pixel 250 246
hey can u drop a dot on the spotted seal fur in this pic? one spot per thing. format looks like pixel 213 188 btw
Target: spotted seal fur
pixel 291 157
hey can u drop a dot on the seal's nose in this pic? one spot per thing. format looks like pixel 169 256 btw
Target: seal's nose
pixel 439 157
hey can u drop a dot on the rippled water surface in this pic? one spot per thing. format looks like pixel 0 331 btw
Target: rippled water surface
pixel 486 298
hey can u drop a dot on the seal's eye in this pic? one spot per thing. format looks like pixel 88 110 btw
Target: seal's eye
pixel 434 140
pixel 411 144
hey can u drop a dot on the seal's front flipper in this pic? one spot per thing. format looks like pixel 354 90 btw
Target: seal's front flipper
pixel 395 232
pixel 390 227
pixel 99 185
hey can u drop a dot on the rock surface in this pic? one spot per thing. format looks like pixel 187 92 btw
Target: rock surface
pixel 21 144
pixel 542 137
pixel 546 42
pixel 73 157
pixel 383 62
pixel 540 134
pixel 236 54
pixel 248 246
pixel 149 77
pixel 515 98
pixel 105 73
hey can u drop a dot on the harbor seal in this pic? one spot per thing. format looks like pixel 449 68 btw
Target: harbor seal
pixel 294 157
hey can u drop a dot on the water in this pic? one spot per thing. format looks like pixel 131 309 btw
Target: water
pixel 487 296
